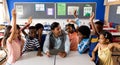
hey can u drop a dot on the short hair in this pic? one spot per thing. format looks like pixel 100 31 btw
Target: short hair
pixel 32 27
pixel 71 25
pixel 54 25
pixel 107 35
pixel 84 30
pixel 99 22
pixel 38 26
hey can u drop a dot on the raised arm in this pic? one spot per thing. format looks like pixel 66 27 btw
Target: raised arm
pixel 116 45
pixel 92 23
pixel 27 25
pixel 13 30
pixel 75 14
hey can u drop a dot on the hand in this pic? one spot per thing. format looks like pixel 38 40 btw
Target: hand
pixel 92 16
pixel 13 12
pixel 30 20
pixel 39 54
pixel 92 59
pixel 48 54
pixel 62 54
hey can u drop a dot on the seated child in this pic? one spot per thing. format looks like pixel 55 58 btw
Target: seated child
pixel 83 33
pixel 104 49
pixel 31 42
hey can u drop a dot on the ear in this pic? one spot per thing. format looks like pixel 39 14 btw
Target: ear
pixel 107 40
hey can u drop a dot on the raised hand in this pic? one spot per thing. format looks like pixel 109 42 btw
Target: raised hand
pixel 92 16
pixel 30 20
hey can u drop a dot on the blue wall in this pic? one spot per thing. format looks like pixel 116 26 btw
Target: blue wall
pixel 100 9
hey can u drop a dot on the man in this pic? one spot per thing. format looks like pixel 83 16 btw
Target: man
pixel 56 42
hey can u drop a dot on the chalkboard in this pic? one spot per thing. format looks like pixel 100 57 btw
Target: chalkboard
pixel 113 16
pixel 35 9
pixel 58 10
pixel 81 9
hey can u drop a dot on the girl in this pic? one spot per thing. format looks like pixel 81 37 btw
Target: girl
pixel 13 42
pixel 104 48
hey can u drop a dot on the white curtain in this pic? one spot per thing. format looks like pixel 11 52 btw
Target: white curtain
pixel 5 11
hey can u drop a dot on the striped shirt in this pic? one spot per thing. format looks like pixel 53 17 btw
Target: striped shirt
pixel 31 44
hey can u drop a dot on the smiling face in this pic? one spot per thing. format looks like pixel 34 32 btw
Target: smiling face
pixel 57 31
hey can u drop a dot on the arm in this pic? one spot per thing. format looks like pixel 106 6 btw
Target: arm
pixel 92 23
pixel 75 14
pixel 27 25
pixel 46 46
pixel 13 30
pixel 116 45
pixel 67 44
pixel 93 52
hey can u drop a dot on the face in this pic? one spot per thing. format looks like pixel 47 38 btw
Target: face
pixel 69 29
pixel 57 31
pixel 32 33
pixel 102 39
pixel 98 27
pixel 80 36
pixel 39 31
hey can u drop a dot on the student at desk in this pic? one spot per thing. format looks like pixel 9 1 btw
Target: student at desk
pixel 56 42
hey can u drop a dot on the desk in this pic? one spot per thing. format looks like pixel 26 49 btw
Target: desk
pixel 30 58
pixel 74 58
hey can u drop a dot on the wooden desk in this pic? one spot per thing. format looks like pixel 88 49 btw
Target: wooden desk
pixel 74 58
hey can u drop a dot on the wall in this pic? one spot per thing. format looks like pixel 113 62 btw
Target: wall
pixel 100 9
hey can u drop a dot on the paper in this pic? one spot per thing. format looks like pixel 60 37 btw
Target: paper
pixel 61 9
pixel 39 7
pixel 19 9
pixel 87 10
pixel 50 11
pixel 118 10
pixel 71 10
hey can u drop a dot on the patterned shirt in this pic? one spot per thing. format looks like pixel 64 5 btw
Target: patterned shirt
pixel 31 44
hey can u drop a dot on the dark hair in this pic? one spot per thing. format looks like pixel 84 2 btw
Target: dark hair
pixel 71 25
pixel 18 27
pixel 32 27
pixel 54 25
pixel 6 34
pixel 99 22
pixel 38 26
pixel 84 30
pixel 107 35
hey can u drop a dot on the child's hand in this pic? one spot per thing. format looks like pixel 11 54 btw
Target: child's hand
pixel 30 20
pixel 92 59
pixel 13 12
pixel 39 54
pixel 92 16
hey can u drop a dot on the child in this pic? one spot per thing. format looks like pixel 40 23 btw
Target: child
pixel 72 36
pixel 39 35
pixel 83 33
pixel 104 48
pixel 13 43
pixel 31 42
pixel 97 27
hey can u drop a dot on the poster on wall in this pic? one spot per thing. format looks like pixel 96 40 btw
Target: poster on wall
pixel 87 10
pixel 19 9
pixel 39 7
pixel 61 8
pixel 118 10
pixel 49 11
pixel 71 10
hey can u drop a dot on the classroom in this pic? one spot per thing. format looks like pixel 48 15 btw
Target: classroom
pixel 59 32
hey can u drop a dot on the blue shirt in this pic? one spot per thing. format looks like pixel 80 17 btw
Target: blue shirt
pixel 83 46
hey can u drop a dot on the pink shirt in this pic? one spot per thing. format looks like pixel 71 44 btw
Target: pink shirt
pixel 74 41
pixel 14 51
